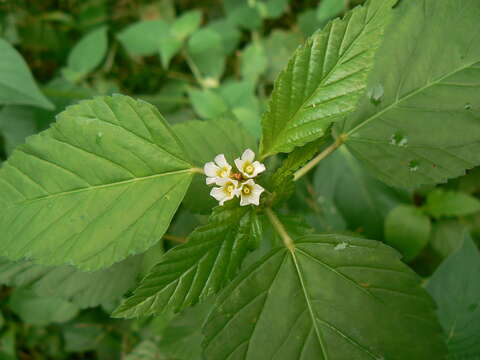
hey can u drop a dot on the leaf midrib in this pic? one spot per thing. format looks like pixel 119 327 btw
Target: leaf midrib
pixel 408 96
pixel 103 186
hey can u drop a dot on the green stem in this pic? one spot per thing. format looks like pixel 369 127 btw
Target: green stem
pixel 280 229
pixel 195 70
pixel 197 170
pixel 312 163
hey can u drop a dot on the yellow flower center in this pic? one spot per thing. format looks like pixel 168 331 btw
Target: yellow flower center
pixel 246 190
pixel 249 169
pixel 222 172
pixel 229 188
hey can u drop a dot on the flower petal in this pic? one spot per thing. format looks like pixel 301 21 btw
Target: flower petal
pixel 258 168
pixel 218 194
pixel 248 155
pixel 211 169
pixel 221 161
pixel 239 163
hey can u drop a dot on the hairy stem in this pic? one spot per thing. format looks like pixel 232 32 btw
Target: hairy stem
pixel 280 229
pixel 312 163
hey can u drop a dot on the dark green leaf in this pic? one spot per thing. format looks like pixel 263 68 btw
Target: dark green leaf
pixel 447 236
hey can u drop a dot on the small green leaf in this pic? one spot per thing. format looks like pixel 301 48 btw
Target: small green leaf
pixel 17 85
pixel 328 9
pixel 456 289
pixel 205 47
pixel 100 184
pixel 271 9
pixel 142 38
pixel 228 32
pixel 186 24
pixel 85 289
pixel 146 350
pixel 444 203
pixel 407 229
pixel 332 297
pixel 279 46
pixel 16 123
pixel 254 61
pixel 242 14
pixel 447 236
pixel 197 269
pixel 207 103
pixel 87 54
pixel 41 311
pixel 324 79
pixel 401 136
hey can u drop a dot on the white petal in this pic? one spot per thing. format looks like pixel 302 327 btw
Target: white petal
pixel 244 201
pixel 258 168
pixel 218 194
pixel 248 155
pixel 221 161
pixel 249 182
pixel 210 169
pixel 239 164
pixel 211 180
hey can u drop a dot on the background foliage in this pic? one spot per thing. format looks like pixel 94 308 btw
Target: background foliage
pixel 216 61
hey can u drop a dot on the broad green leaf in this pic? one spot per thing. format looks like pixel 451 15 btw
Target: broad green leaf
pixel 332 298
pixel 363 201
pixel 456 289
pixel 447 236
pixel 205 48
pixel 142 38
pixel 197 269
pixel 407 229
pixel 203 141
pixel 16 123
pixel 85 289
pixel 36 310
pixel 329 9
pixel 425 129
pixel 444 203
pixel 324 79
pixel 101 184
pixel 87 54
pixel 207 103
pixel 17 85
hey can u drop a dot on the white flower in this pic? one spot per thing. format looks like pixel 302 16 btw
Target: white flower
pixel 227 191
pixel 250 193
pixel 247 166
pixel 218 170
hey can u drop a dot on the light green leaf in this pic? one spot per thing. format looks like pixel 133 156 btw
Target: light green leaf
pixel 205 47
pixel 271 9
pixel 85 289
pixel 456 289
pixel 207 103
pixel 197 269
pixel 142 38
pixel 425 129
pixel 87 54
pixel 17 85
pixel 324 79
pixel 332 298
pixel 254 61
pixel 203 141
pixel 42 311
pixel 308 22
pixel 407 229
pixel 329 9
pixel 186 24
pixel 228 32
pixel 444 203
pixel 447 236
pixel 363 201
pixel 168 46
pixel 242 14
pixel 101 184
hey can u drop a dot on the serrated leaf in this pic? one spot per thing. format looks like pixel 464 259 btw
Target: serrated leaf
pixel 142 38
pixel 88 53
pixel 85 289
pixel 197 269
pixel 456 289
pixel 324 79
pixel 332 297
pixel 101 184
pixel 402 136
pixel 17 85
pixel 444 203
pixel 407 229
pixel 203 141
pixel 361 199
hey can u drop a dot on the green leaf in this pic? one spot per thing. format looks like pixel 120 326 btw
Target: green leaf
pixel 329 9
pixel 85 289
pixel 402 137
pixel 186 24
pixel 146 350
pixel 447 236
pixel 203 141
pixel 279 46
pixel 37 310
pixel 444 203
pixel 324 79
pixel 17 85
pixel 87 54
pixel 143 38
pixel 254 61
pixel 197 269
pixel 207 103
pixel 407 229
pixel 228 32
pixel 205 48
pixel 101 184
pixel 16 123
pixel 240 13
pixel 331 297
pixel 456 289
pixel 271 9
pixel 363 201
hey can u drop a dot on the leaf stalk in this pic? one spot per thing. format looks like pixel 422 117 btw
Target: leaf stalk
pixel 280 229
